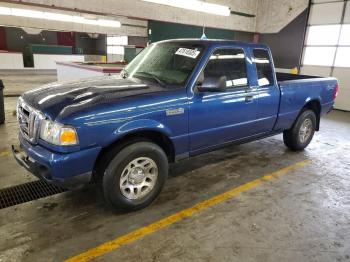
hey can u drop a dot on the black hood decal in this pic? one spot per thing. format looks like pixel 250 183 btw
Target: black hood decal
pixel 67 97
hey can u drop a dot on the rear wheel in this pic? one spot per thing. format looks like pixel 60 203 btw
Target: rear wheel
pixel 135 176
pixel 302 132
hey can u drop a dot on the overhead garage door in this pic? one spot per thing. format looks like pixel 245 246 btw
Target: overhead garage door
pixel 327 45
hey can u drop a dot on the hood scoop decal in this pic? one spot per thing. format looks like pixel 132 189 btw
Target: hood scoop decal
pixel 122 87
pixel 67 98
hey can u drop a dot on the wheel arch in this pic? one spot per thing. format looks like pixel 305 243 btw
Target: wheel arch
pixel 156 136
pixel 315 106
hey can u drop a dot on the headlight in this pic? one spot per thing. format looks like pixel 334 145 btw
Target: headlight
pixel 58 134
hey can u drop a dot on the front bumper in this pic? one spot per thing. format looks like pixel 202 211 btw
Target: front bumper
pixel 68 170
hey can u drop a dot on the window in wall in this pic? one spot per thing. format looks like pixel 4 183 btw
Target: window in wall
pixel 263 67
pixel 115 50
pixel 321 56
pixel 345 35
pixel 320 45
pixel 115 44
pixel 343 57
pixel 229 63
pixel 316 35
pixel 326 13
pixel 328 36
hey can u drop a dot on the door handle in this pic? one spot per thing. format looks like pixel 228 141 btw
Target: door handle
pixel 249 99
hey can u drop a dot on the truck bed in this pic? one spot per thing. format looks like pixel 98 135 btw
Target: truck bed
pixel 296 90
pixel 281 77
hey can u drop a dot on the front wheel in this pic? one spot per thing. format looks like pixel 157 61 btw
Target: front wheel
pixel 302 132
pixel 135 176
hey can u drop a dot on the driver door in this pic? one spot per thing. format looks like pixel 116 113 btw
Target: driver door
pixel 219 117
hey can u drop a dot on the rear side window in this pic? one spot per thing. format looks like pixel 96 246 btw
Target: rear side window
pixel 230 63
pixel 263 67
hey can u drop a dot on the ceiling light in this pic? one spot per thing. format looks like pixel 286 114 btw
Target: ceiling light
pixel 57 17
pixel 5 11
pixel 195 5
pixel 113 23
pixel 27 13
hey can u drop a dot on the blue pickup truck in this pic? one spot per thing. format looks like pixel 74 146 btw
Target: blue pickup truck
pixel 175 100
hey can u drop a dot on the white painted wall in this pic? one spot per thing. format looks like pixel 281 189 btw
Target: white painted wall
pixel 342 74
pixel 113 58
pixel 324 71
pixel 11 61
pixel 44 61
pixel 343 99
pixel 66 72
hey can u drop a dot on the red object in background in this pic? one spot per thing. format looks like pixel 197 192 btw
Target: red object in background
pixel 3 45
pixel 256 38
pixel 66 38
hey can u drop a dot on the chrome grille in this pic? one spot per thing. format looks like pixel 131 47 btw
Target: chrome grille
pixel 29 121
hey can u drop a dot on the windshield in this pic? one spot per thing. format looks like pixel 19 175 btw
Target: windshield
pixel 169 63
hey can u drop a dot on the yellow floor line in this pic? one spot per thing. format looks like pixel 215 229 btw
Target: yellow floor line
pixel 5 153
pixel 156 226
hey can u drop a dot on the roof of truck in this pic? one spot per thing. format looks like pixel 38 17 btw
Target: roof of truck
pixel 215 42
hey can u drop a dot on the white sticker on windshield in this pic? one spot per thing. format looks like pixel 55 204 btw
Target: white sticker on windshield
pixel 187 52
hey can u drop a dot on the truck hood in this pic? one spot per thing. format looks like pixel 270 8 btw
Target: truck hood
pixel 54 98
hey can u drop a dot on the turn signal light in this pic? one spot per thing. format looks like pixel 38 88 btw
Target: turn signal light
pixel 68 136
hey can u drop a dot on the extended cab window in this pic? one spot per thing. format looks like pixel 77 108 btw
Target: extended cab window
pixel 229 63
pixel 263 67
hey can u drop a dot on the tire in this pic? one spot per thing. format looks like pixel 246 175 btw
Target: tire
pixel 135 176
pixel 302 131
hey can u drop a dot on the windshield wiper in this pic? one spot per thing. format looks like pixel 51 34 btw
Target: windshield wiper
pixel 149 75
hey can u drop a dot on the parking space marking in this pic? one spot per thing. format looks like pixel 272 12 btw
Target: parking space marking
pixel 156 226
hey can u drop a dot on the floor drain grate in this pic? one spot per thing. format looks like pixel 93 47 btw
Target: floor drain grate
pixel 30 191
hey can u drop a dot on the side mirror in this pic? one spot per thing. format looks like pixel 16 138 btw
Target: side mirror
pixel 213 84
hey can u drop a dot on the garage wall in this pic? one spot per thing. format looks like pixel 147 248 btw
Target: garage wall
pixel 91 46
pixel 17 39
pixel 244 36
pixel 3 45
pixel 137 41
pixel 327 45
pixel 287 45
pixel 273 15
pixel 262 16
pixel 126 10
pixel 158 31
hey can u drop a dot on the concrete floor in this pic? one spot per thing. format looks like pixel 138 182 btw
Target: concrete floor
pixel 18 83
pixel 301 216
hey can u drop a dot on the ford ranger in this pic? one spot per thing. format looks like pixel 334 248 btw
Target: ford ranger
pixel 175 100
